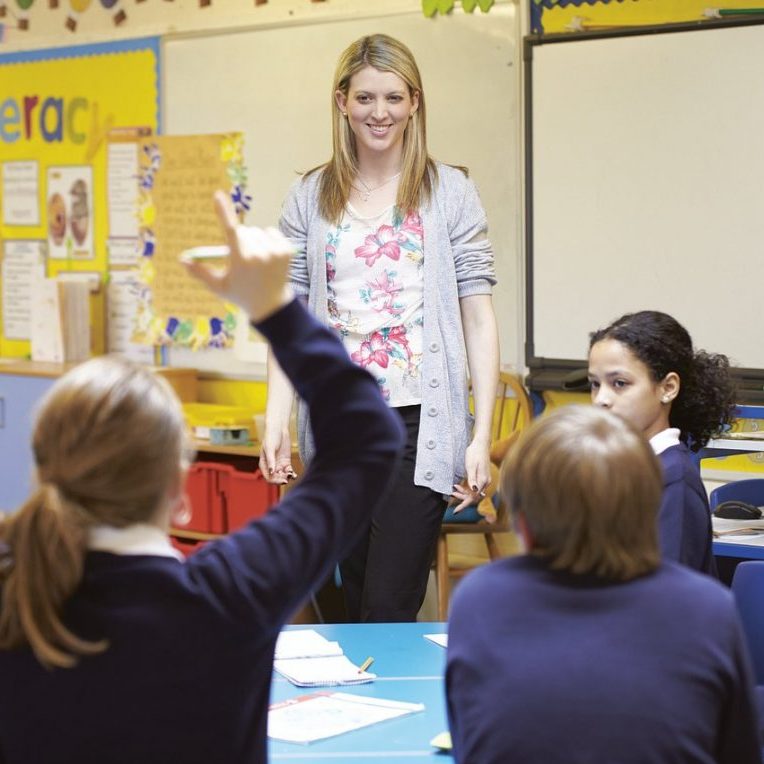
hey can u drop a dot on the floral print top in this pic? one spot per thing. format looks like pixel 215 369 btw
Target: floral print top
pixel 374 276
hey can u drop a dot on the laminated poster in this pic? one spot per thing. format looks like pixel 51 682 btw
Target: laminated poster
pixel 177 178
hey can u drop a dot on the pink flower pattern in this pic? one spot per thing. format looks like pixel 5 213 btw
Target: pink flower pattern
pixel 386 348
pixel 373 350
pixel 385 242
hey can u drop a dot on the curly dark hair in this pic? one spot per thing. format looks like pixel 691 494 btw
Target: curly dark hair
pixel 706 398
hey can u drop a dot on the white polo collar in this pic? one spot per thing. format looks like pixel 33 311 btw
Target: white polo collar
pixel 665 440
pixel 140 538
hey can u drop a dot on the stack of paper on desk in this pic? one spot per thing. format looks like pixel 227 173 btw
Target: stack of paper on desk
pixel 306 659
pixel 739 531
pixel 327 714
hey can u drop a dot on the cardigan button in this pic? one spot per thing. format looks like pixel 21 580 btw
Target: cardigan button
pixel 434 382
pixel 432 411
pixel 430 443
pixel 434 347
pixel 429 475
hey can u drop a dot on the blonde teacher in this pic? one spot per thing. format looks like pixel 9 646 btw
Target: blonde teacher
pixel 393 254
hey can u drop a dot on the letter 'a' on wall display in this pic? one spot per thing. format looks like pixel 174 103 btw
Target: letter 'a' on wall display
pixel 59 108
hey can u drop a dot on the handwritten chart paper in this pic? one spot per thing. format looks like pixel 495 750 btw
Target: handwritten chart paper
pixel 122 192
pixel 21 185
pixel 23 264
pixel 178 176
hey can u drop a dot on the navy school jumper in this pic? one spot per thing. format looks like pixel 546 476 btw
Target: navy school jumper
pixel 546 667
pixel 684 518
pixel 187 675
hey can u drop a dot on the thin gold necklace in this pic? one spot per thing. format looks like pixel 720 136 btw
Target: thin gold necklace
pixel 367 191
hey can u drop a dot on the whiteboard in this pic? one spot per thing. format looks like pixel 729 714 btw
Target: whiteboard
pixel 646 188
pixel 274 85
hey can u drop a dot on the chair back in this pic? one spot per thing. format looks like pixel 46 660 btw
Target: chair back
pixel 748 588
pixel 750 491
pixel 509 417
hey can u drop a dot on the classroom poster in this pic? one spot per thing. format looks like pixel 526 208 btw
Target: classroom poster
pixel 69 206
pixel 57 108
pixel 20 194
pixel 23 264
pixel 178 177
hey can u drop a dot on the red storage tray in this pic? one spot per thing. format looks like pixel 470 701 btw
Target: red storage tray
pixel 246 496
pixel 207 511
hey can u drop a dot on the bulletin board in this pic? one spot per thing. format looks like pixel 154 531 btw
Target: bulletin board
pixel 644 188
pixel 57 107
pixel 274 86
pixel 571 16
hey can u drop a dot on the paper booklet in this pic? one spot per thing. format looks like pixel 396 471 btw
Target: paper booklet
pixel 307 659
pixel 322 672
pixel 323 715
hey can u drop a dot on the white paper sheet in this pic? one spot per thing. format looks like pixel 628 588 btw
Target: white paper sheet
pixel 438 639
pixel 322 672
pixel 323 715
pixel 23 264
pixel 21 193
pixel 304 643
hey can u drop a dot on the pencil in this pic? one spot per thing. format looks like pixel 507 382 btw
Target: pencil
pixel 365 665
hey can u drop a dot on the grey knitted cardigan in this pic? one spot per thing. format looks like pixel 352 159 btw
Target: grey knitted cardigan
pixel 458 262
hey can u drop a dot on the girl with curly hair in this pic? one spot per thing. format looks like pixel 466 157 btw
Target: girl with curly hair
pixel 643 367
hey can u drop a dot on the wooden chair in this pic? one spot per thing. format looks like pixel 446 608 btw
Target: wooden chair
pixel 507 425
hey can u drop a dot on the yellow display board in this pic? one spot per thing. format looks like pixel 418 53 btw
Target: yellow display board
pixel 57 107
pixel 552 16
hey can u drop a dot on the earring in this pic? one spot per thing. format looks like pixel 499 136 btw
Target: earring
pixel 665 399
pixel 344 114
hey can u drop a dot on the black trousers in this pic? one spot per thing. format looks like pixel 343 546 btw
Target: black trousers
pixel 385 577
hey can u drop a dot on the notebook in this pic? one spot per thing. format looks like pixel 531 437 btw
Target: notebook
pixel 323 715
pixel 307 659
pixel 321 672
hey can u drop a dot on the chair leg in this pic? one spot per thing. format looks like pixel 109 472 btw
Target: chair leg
pixel 441 576
pixel 493 547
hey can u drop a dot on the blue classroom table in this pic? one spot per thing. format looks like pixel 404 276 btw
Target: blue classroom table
pixel 408 668
pixel 730 447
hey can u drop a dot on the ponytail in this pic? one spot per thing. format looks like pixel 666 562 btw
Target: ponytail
pixel 706 399
pixel 42 551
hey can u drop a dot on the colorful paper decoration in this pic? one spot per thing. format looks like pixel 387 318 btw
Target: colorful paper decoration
pixel 431 7
pixel 177 177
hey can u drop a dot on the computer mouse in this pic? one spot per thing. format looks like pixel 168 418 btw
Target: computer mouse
pixel 737 510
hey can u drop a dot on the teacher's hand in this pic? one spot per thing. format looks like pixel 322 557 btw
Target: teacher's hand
pixel 255 277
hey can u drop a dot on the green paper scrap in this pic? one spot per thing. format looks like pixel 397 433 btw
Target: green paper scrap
pixel 429 7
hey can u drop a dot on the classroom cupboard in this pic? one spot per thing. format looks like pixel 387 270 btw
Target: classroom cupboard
pixel 19 394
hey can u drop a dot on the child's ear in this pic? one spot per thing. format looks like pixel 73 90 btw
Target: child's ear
pixel 522 530
pixel 670 386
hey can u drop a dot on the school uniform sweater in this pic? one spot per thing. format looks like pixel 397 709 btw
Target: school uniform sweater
pixel 186 677
pixel 546 667
pixel 684 517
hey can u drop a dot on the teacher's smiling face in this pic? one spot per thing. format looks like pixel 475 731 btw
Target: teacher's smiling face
pixel 378 106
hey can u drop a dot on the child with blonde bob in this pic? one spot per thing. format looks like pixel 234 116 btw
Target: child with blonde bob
pixel 112 647
pixel 589 648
